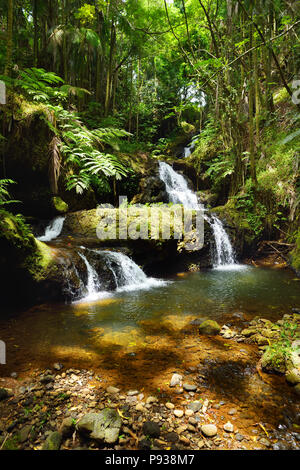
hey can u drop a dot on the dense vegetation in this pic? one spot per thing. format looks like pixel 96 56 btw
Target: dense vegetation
pixel 112 80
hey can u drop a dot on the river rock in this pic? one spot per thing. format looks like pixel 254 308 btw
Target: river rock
pixel 293 376
pixel 151 429
pixel 175 380
pixel 112 390
pixel 53 441
pixel 209 430
pixel 5 393
pixel 209 327
pixel 178 413
pixel 67 427
pixel 103 427
pixel 228 427
pixel 195 406
pixel 190 387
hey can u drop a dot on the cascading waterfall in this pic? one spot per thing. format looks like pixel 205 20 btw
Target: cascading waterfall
pixel 224 254
pixel 53 230
pixel 93 283
pixel 127 274
pixel 179 193
pixel 177 187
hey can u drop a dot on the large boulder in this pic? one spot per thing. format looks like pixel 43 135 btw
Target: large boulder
pixel 209 327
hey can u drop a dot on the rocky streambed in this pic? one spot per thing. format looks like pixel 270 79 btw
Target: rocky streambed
pixel 211 390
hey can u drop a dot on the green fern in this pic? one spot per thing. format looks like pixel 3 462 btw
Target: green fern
pixel 4 194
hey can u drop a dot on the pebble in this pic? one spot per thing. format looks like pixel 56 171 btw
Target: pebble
pixel 178 413
pixel 189 387
pixel 228 427
pixel 209 430
pixel 175 380
pixel 112 390
pixel 170 406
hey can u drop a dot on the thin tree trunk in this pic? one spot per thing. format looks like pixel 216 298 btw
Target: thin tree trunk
pixel 9 47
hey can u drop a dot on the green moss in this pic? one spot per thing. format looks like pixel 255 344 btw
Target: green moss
pixel 209 327
pixel 59 205
pixel 280 96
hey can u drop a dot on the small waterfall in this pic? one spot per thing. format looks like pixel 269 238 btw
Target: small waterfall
pixel 179 193
pixel 127 274
pixel 177 187
pixel 93 284
pixel 187 151
pixel 53 230
pixel 224 254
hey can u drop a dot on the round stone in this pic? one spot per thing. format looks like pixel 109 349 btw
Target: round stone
pixel 209 430
pixel 178 413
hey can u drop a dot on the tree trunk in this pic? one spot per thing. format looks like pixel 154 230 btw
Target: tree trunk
pixel 9 47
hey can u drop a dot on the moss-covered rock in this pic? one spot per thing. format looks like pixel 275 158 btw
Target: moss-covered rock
pixel 148 236
pixel 53 441
pixel 209 327
pixel 59 205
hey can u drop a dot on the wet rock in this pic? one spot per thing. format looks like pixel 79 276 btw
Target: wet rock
pixel 24 433
pixel 144 444
pixel 265 442
pixel 151 400
pixel 53 441
pixel 175 380
pixel 151 429
pixel 195 406
pixel 170 406
pixel 178 413
pixel 293 376
pixel 5 393
pixel 228 427
pixel 209 327
pixel 57 366
pixel 103 427
pixel 209 430
pixel 189 387
pixel 171 437
pixel 46 379
pixel 67 427
pixel 112 390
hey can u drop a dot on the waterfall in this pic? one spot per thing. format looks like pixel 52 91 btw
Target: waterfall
pixel 53 230
pixel 177 187
pixel 93 283
pixel 224 254
pixel 127 274
pixel 179 193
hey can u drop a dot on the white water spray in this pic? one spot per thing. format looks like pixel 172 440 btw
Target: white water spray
pixel 53 230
